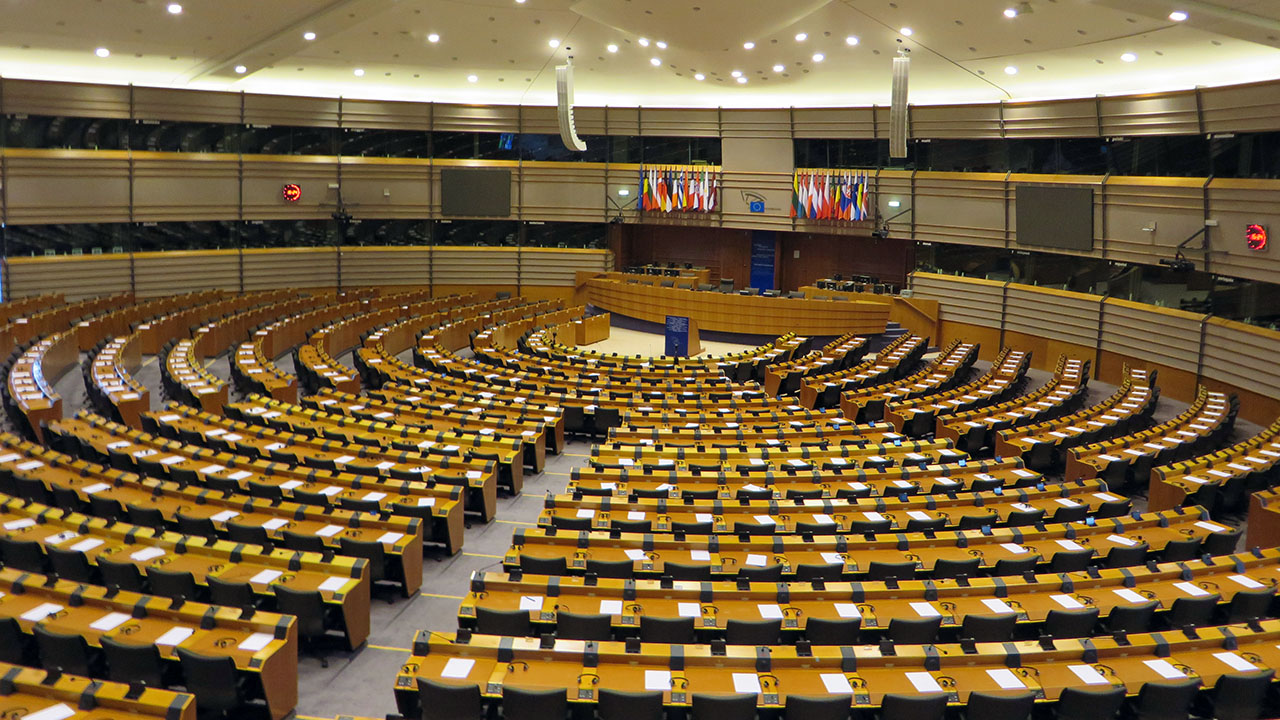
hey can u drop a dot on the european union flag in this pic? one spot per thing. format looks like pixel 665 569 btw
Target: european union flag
pixel 757 206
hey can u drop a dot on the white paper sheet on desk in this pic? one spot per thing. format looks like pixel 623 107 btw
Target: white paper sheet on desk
pixel 256 642
pixel 700 555
pixel 1006 679
pixel 224 516
pixel 390 537
pixel 265 577
pixel 924 682
pixel 457 668
pixel 1023 473
pixel 146 554
pixel 275 523
pixel 769 612
pixel 1067 602
pixel 1087 674
pixel 703 517
pixel 96 488
pixel 833 558
pixel 333 584
pixel 86 545
pixel 60 538
pixel 924 609
pixel 634 554
pixel 847 610
pixel 1122 540
pixel 240 475
pixel 824 519
pixel 329 530
pixel 41 611
pixel 1246 581
pixel 531 602
pixel 836 683
pixel 746 683
pixel 1235 662
pixel 19 524
pixel 657 680
pixel 997 605
pixel 61 711
pixel 689 609
pixel 765 520
pixel 1192 590
pixel 1129 595
pixel 610 607
pixel 1164 669
pixel 756 560
pixel 331 490
pixel 586 513
pixel 174 636
pixel 1014 548
pixel 110 621
pixel 1211 527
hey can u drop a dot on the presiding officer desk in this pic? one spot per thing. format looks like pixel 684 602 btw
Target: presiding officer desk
pixel 862 673
pixel 756 315
pixel 28 692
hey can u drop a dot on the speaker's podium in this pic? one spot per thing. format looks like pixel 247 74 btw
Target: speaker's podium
pixel 682 337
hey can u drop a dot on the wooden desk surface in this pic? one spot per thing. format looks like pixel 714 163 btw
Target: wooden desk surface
pixel 30 691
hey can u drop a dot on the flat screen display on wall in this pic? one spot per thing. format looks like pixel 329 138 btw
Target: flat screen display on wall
pixel 1054 216
pixel 471 192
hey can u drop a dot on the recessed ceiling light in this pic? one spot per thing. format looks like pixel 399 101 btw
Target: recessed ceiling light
pixel 742 81
pixel 851 40
pixel 656 62
pixel 624 192
pixel 1177 16
pixel 102 52
pixel 308 35
pixel 359 72
pixel 801 37
pixel 748 45
pixel 553 43
pixel 819 57
pixel 519 2
pixel 473 78
pixel 611 48
pixel 644 42
pixel 661 45
pixel 240 69
pixel 433 37
pixel 174 9
pixel 736 73
pixel 907 31
pixel 699 77
pixel 1128 57
pixel 779 67
pixel 1011 12
pixel 1010 70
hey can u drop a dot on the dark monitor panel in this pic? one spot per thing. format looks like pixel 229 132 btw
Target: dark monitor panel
pixel 473 192
pixel 1055 216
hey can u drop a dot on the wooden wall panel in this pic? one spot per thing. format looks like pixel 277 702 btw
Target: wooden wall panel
pixel 567 192
pixel 1053 314
pixel 823 255
pixel 386 115
pixel 448 117
pixel 1173 206
pixel 1235 204
pixel 950 206
pixel 290 110
pixel 180 271
pixel 1051 118
pixel 558 267
pixel 1162 114
pixel 376 188
pixel 964 300
pixel 176 187
pixel 381 266
pixel 1143 331
pixel 756 123
pixel 76 276
pixel 1241 108
pixel 204 106
pixel 680 122
pixel 264 177
pixel 726 252
pixel 35 97
pixel 955 121
pixel 66 186
pixel 1242 356
pixel 850 123
pixel 290 267
pixel 474 265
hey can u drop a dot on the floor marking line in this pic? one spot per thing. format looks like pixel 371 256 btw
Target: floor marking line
pixel 517 522
pixel 575 455
pixel 152 360
pixel 386 647
pixel 446 597
pixel 499 557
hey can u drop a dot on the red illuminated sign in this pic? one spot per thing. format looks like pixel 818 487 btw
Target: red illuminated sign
pixel 1255 236
pixel 292 192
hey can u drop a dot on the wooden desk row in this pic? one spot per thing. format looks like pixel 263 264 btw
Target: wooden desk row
pixel 343 582
pixel 218 460
pixel 112 378
pixel 774 454
pixel 468 410
pixel 866 402
pixel 863 674
pixel 59 318
pixel 121 494
pixel 976 428
pixel 120 320
pixel 841 353
pixel 1250 463
pixel 28 692
pixel 32 377
pixel 679 428
pixel 896 360
pixel 724 556
pixel 263 646
pixel 158 331
pixel 917 416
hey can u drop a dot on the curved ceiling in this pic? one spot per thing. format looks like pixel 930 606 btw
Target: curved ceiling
pixel 648 52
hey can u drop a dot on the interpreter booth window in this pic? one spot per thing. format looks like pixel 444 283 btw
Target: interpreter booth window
pixel 288 233
pixel 43 132
pixel 156 237
pixel 77 239
pixel 1165 155
pixel 284 140
pixel 166 136
pixel 387 232
pixel 475 146
pixel 483 233
pixel 680 150
pixel 565 235
pixel 362 142
pixel 1245 155
pixel 978 156
pixel 1058 156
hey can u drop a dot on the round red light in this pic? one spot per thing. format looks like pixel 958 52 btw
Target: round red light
pixel 1255 236
pixel 292 192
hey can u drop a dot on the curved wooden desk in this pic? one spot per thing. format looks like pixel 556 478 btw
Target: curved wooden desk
pixel 755 315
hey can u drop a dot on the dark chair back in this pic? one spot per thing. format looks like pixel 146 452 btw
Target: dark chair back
pixel 739 706
pixel 753 632
pixel 1090 703
pixel 70 564
pixel 581 626
pixel 677 631
pixel 522 704
pixel 1239 696
pixel 543 566
pixel 123 575
pixel 914 631
pixel 503 622
pixel 827 707
pixel 213 680
pixel 832 631
pixel 231 594
pixel 173 585
pixel 1005 707
pixel 1166 699
pixel 988 628
pixel 133 663
pixel 1077 623
pixel 622 705
pixel 369 550
pixel 913 707
pixel 449 702
pixel 68 653
pixel 620 569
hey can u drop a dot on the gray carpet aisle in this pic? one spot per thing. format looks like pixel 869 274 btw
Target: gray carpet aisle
pixel 361 683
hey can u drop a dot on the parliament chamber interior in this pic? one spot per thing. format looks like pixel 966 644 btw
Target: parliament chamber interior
pixel 564 360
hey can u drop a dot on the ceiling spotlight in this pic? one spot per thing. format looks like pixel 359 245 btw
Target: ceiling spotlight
pixel 174 9
pixel 433 37
pixel 656 62
pixel 736 73
pixel 699 77
pixel 779 67
pixel 801 37
pixel 359 72
pixel 1010 70
pixel 742 81
pixel 907 31
pixel 1177 16
pixel 473 78
pixel 644 42
pixel 661 45
pixel 308 35
pixel 748 46
pixel 240 69
pixel 611 48
pixel 851 40
pixel 1011 12
pixel 102 52
pixel 553 43
pixel 819 57
pixel 1128 57
pixel 519 2
pixel 624 192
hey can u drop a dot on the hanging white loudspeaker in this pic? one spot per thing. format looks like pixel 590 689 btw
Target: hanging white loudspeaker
pixel 564 102
pixel 898 130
